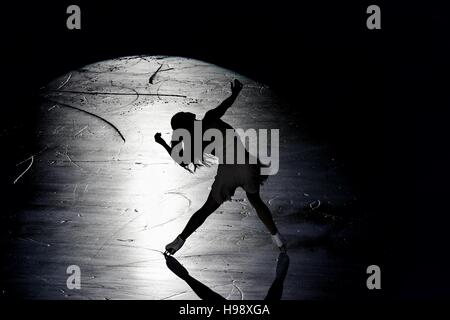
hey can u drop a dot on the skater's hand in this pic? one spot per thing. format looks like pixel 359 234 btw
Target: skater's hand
pixel 197 165
pixel 188 167
pixel 236 87
pixel 158 138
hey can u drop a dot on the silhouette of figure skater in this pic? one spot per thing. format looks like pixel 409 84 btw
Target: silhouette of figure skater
pixel 275 291
pixel 229 176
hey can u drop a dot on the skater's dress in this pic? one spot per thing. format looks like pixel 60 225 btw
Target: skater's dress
pixel 231 176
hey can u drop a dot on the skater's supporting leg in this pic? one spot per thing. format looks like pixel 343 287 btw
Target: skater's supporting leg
pixel 194 222
pixel 263 211
pixel 199 217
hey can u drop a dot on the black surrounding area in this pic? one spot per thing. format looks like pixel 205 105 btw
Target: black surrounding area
pixel 355 88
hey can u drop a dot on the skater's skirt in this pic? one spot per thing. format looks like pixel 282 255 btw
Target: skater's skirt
pixel 231 176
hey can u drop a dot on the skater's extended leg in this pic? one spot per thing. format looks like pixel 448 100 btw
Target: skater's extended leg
pixel 263 211
pixel 266 217
pixel 194 222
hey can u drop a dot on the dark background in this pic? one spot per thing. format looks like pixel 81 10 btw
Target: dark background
pixel 363 91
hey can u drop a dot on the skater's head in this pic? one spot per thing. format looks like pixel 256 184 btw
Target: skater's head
pixel 182 120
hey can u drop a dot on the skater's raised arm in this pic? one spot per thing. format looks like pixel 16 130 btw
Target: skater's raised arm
pixel 219 111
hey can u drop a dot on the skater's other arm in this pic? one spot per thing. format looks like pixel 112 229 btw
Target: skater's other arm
pixel 219 111
pixel 168 148
pixel 162 142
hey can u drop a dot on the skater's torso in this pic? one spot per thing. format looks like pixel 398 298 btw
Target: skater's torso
pixel 233 145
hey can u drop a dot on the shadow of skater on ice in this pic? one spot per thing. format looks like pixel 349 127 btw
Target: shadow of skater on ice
pixel 205 293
